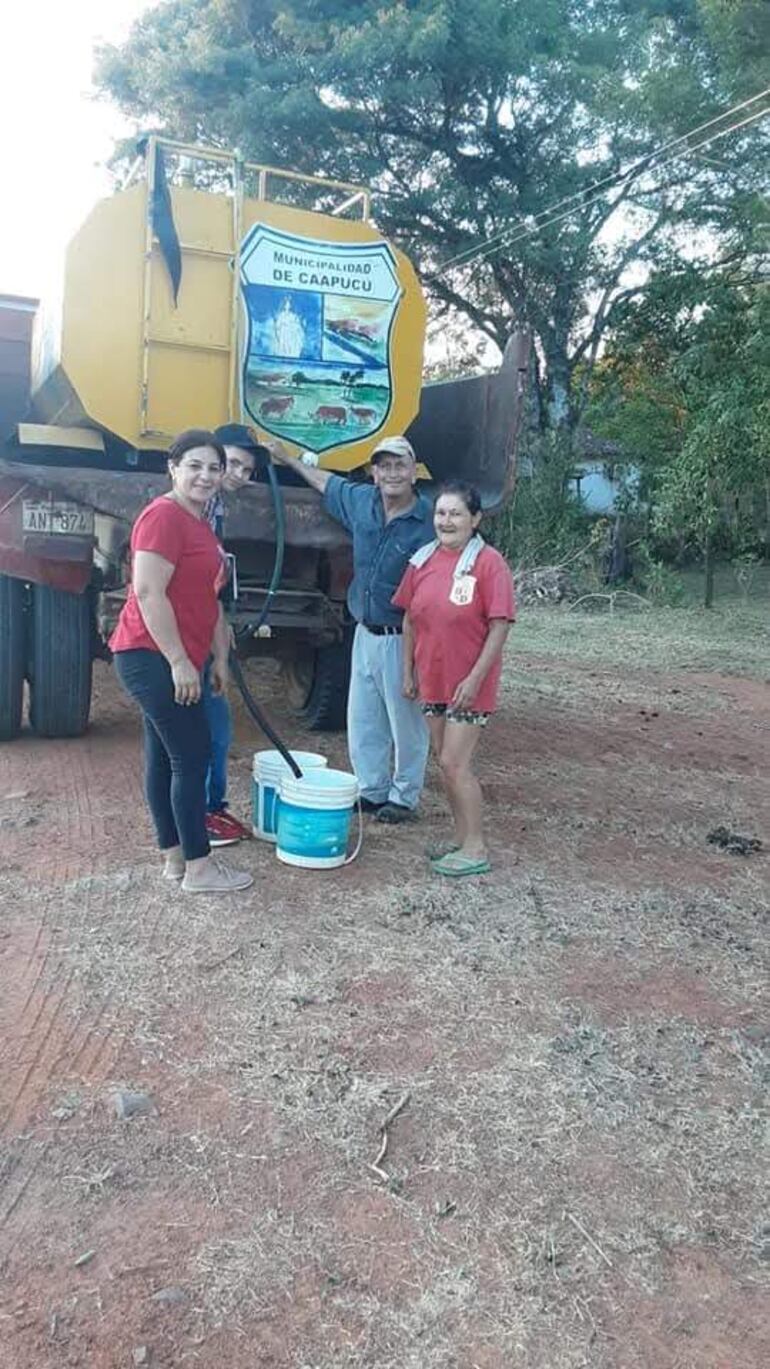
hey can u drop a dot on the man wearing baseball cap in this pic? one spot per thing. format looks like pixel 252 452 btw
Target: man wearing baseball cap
pixel 388 521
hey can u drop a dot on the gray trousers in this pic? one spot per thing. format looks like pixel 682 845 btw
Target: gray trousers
pixel 387 734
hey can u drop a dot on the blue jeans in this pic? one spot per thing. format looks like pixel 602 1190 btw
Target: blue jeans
pixel 221 729
pixel 176 752
pixel 387 734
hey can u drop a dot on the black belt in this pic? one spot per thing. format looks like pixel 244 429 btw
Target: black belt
pixel 379 630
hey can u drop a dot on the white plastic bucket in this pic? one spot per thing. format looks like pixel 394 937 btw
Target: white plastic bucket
pixel 314 815
pixel 269 769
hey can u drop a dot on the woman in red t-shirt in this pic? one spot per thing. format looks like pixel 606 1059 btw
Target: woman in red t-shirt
pixel 171 624
pixel 458 598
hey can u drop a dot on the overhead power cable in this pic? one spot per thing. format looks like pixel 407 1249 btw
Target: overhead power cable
pixel 518 234
pixel 580 199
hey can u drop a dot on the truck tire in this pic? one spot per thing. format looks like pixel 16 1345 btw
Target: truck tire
pixel 13 655
pixel 319 686
pixel 60 665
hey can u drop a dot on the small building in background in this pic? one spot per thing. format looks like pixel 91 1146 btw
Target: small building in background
pixel 601 478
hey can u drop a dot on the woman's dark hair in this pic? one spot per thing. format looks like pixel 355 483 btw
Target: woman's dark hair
pixel 467 492
pixel 195 437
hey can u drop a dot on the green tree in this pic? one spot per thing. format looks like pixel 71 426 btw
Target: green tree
pixel 685 390
pixel 470 118
pixel 740 31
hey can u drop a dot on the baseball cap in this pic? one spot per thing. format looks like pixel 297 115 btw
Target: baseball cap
pixel 238 435
pixel 394 446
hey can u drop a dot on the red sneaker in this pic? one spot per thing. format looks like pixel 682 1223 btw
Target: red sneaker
pixel 224 830
pixel 236 827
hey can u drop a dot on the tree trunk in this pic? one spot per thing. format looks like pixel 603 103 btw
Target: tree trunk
pixel 558 405
pixel 558 379
pixel 618 559
pixel 558 393
pixel 708 543
pixel 708 571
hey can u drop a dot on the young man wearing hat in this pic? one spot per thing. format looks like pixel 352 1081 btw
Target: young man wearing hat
pixel 388 521
pixel 241 447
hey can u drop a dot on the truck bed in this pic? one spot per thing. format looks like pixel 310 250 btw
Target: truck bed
pixel 121 495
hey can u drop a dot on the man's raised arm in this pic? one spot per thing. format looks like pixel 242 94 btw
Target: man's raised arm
pixel 312 475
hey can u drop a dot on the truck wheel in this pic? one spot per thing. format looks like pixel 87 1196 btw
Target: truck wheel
pixel 60 668
pixel 12 656
pixel 318 685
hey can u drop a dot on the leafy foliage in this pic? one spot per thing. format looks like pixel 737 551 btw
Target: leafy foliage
pixel 685 389
pixel 543 523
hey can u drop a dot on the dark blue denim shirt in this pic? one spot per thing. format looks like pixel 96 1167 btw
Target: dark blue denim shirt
pixel 380 550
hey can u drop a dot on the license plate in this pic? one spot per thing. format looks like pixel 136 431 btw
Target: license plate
pixel 57 516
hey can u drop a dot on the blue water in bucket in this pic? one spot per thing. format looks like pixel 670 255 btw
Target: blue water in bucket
pixel 314 813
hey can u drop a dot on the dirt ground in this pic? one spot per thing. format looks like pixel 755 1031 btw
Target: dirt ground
pixel 576 1177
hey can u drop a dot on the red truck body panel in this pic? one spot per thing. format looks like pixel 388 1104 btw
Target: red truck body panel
pixel 44 558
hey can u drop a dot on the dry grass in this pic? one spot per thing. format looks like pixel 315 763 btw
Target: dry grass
pixel 528 1102
pixel 733 638
pixel 585 1049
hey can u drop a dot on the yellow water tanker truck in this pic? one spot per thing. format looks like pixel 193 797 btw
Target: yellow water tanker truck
pixel 210 290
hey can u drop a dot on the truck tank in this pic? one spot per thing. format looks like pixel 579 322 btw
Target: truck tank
pixel 188 307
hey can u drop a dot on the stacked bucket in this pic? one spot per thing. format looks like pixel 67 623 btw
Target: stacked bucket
pixel 307 819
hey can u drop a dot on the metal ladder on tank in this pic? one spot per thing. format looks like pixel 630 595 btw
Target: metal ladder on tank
pixel 238 170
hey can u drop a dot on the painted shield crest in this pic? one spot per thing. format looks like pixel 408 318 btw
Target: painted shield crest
pixel 319 319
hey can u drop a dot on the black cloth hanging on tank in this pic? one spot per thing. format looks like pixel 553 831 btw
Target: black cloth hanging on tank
pixel 162 219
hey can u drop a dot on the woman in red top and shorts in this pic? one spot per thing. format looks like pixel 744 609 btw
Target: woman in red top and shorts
pixel 458 598
pixel 170 626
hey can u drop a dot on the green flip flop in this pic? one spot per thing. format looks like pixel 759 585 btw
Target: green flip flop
pixel 455 866
pixel 439 849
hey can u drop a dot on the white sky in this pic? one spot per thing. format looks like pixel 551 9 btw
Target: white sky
pixel 54 134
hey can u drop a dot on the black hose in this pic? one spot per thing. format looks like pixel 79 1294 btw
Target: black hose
pixel 259 717
pixel 280 545
pixel 253 628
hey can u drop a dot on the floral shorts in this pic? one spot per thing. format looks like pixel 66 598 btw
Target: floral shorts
pixel 455 715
